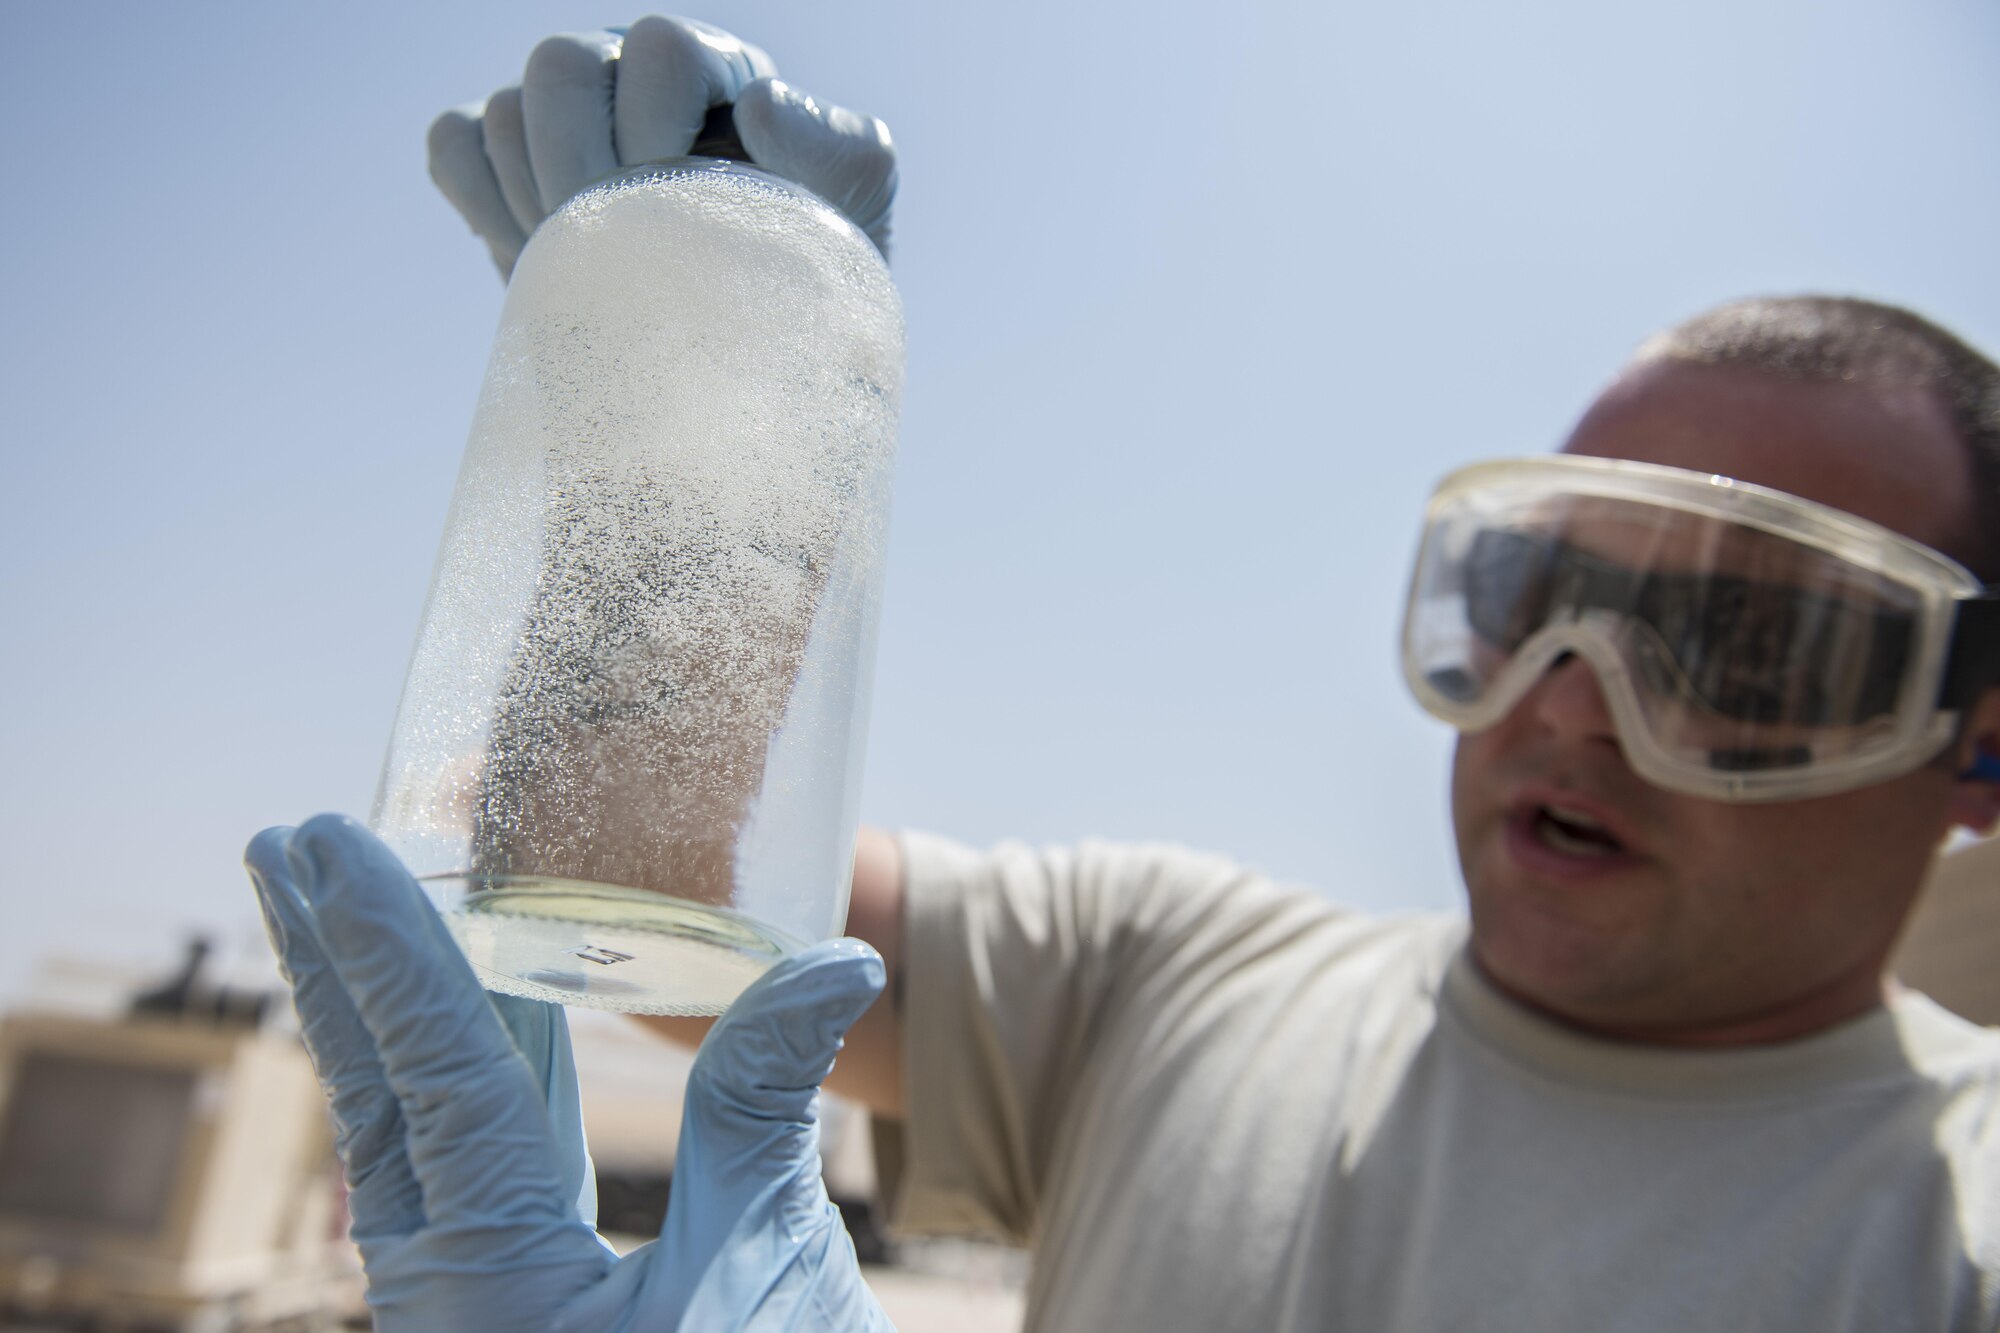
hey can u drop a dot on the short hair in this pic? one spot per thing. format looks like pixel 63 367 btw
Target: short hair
pixel 1845 338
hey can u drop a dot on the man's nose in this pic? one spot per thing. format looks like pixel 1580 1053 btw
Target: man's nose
pixel 1569 701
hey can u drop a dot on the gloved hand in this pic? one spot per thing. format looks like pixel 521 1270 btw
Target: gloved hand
pixel 592 102
pixel 459 1175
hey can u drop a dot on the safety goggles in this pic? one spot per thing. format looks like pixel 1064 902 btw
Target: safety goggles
pixel 1750 645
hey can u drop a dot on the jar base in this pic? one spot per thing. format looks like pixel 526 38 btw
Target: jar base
pixel 601 946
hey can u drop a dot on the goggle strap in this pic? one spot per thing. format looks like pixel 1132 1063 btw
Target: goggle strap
pixel 1973 661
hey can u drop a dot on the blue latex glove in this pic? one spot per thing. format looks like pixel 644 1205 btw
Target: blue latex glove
pixel 460 1176
pixel 592 102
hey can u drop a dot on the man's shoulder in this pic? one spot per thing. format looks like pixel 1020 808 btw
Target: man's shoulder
pixel 1942 1045
pixel 1157 883
pixel 1958 1063
pixel 1165 909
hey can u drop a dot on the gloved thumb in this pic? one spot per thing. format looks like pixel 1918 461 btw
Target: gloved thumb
pixel 767 1056
pixel 845 158
pixel 747 1194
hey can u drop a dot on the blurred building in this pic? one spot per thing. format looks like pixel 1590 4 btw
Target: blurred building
pixel 165 1161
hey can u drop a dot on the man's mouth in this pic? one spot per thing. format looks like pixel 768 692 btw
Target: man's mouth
pixel 1573 833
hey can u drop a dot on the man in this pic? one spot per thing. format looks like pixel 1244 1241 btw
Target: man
pixel 1721 699
pixel 1656 1084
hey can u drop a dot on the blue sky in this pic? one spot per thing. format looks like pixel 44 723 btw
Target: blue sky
pixel 1199 308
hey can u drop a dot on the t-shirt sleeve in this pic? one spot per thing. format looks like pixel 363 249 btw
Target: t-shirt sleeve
pixel 1018 962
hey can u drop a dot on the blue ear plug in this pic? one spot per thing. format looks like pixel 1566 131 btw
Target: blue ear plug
pixel 1985 768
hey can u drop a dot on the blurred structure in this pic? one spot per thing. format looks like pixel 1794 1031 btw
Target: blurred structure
pixel 168 1167
pixel 1951 951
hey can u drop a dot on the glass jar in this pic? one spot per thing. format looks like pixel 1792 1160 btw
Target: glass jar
pixel 627 758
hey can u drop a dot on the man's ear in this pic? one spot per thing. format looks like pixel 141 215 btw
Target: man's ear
pixel 1975 797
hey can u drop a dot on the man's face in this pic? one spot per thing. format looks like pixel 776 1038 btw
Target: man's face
pixel 1715 922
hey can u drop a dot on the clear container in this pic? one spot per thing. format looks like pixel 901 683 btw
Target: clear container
pixel 628 753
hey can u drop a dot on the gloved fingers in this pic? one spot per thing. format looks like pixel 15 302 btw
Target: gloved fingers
pixel 566 94
pixel 540 1032
pixel 747 1172
pixel 460 170
pixel 672 70
pixel 384 1198
pixel 478 1137
pixel 505 141
pixel 845 158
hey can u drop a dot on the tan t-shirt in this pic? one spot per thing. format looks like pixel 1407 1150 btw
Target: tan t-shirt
pixel 1210 1103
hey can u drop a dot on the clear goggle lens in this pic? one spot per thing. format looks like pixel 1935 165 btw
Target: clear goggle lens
pixel 1750 645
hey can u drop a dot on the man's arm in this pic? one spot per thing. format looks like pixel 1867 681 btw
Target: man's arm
pixel 870 1067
